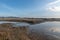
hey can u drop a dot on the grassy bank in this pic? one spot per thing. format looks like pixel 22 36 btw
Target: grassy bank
pixel 8 32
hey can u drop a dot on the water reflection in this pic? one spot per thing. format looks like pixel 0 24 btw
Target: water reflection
pixel 52 29
pixel 49 28
pixel 15 23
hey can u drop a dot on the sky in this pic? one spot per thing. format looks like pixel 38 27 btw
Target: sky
pixel 30 8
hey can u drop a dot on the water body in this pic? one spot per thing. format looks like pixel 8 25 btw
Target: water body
pixel 15 23
pixel 48 28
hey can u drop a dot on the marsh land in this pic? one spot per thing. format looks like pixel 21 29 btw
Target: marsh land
pixel 30 29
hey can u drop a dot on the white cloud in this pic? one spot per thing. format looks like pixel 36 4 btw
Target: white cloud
pixel 52 3
pixel 53 6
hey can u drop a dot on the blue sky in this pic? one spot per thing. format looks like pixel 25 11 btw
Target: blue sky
pixel 30 8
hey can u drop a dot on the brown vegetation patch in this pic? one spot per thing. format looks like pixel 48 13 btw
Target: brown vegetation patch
pixel 8 32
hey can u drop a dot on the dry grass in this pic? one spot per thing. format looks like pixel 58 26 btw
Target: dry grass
pixel 8 32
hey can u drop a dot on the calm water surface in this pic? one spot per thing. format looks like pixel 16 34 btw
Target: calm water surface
pixel 48 28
